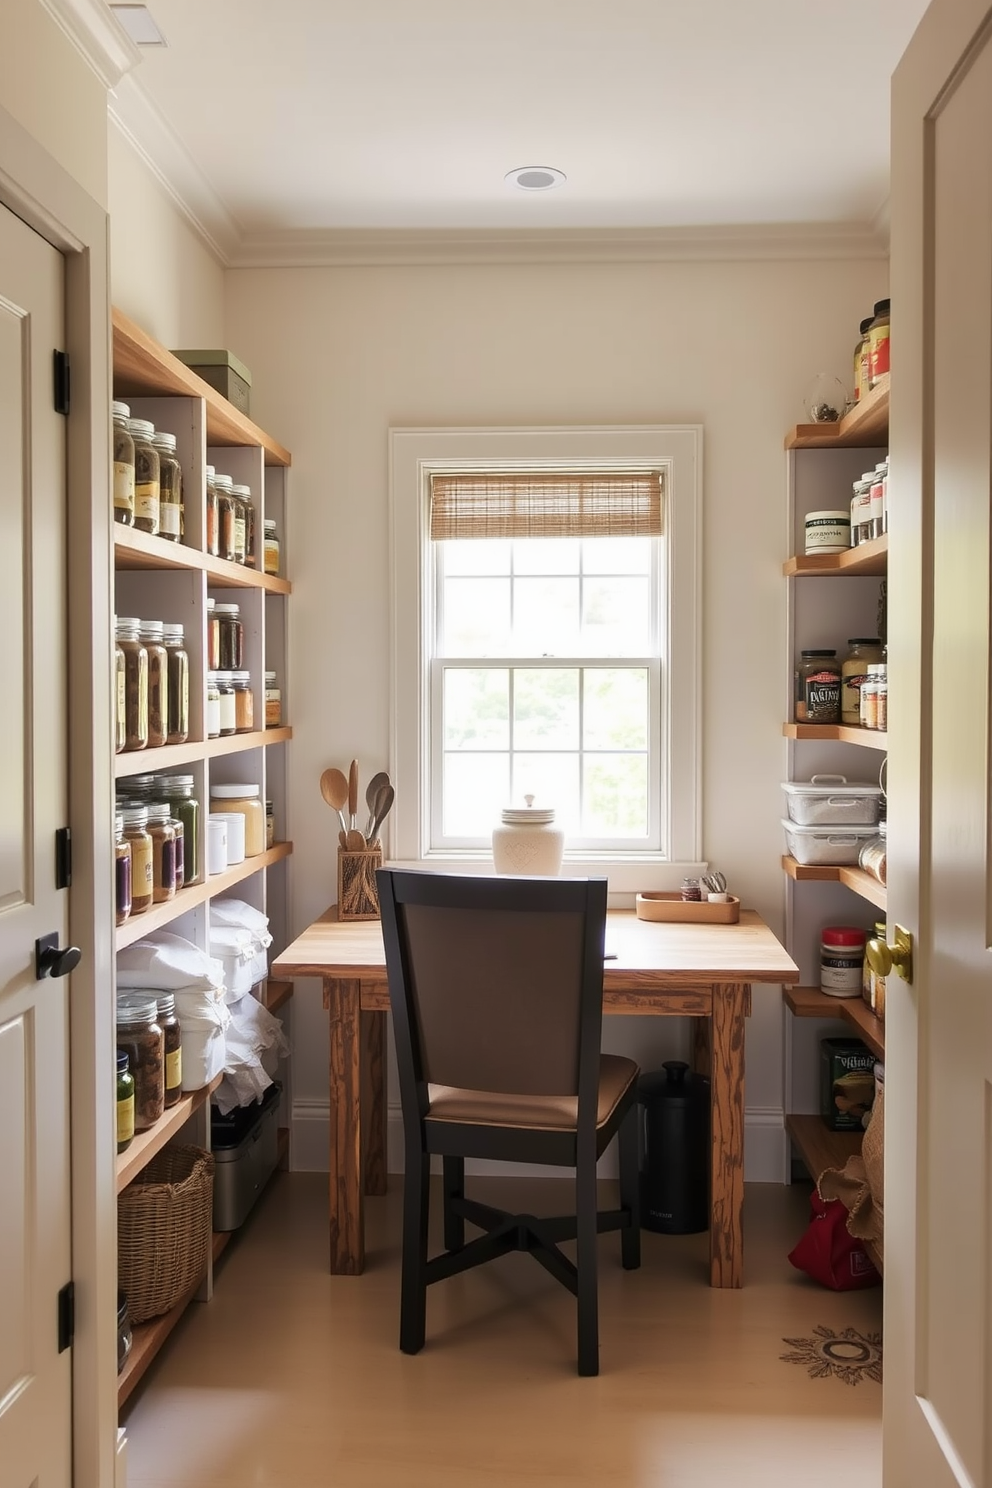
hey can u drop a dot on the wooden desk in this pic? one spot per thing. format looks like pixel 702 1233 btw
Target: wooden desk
pixel 699 971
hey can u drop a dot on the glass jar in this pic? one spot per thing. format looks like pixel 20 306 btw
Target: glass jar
pixel 232 637
pixel 125 1102
pixel 178 791
pixel 178 661
pixel 122 871
pixel 158 682
pixel 228 507
pixel 213 707
pixel 251 535
pixel 135 683
pixel 273 701
pixel 213 515
pixel 120 698
pixel 882 704
pixel 692 891
pixel 178 857
pixel 885 495
pixel 140 1037
pixel 878 343
pixel 870 690
pixel 246 800
pixel 136 832
pixel 168 1021
pixel 244 702
pixel 861 509
pixel 861 362
pixel 213 636
pixel 270 824
pixel 228 712
pixel 243 524
pixel 270 554
pixel 874 853
pixel 170 508
pixel 818 687
pixel 854 673
pixel 163 835
pixel 147 476
pixel 842 955
pixel 123 466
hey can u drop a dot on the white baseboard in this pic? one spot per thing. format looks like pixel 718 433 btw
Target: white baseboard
pixel 766 1148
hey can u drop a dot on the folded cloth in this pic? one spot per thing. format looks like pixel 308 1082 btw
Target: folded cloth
pixel 167 963
pixel 241 916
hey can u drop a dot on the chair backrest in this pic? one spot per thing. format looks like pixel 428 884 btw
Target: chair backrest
pixel 495 984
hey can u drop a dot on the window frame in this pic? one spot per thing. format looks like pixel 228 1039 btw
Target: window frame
pixel 414 456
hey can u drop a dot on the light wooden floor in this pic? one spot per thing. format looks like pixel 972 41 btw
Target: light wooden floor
pixel 291 1378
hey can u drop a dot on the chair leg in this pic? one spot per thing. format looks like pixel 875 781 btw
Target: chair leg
pixel 585 1262
pixel 413 1285
pixel 454 1188
pixel 630 1191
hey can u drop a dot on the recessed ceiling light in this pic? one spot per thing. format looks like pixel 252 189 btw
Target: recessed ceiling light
pixel 535 177
pixel 139 24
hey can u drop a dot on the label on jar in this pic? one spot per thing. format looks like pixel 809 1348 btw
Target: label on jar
pixel 122 697
pixel 239 536
pixel 146 500
pixel 821 697
pixel 273 708
pixel 879 352
pixel 141 867
pixel 174 1069
pixel 168 519
pixel 213 717
pixel 123 486
pixel 850 696
pixel 841 973
pixel 125 1121
pixel 828 532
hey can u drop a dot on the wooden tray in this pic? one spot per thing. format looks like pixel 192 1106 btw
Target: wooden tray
pixel 672 907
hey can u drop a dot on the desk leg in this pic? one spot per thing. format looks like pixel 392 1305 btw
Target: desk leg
pixel 731 1004
pixel 374 1100
pixel 347 1210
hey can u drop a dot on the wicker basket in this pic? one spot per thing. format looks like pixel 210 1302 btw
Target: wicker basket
pixel 163 1230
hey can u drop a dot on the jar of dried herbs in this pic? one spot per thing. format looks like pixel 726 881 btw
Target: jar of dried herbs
pixel 178 660
pixel 135 682
pixel 140 1037
pixel 212 728
pixel 227 506
pixel 251 538
pixel 244 702
pixel 163 835
pixel 213 514
pixel 158 682
pixel 232 637
pixel 270 555
pixel 228 712
pixel 125 1102
pixel 135 821
pixel 273 701
pixel 147 476
pixel 243 523
pixel 168 1021
pixel 123 466
pixel 170 511
pixel 178 791
pixel 213 636
pixel 120 698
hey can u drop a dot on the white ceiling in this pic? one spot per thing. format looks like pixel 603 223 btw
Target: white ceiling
pixel 314 116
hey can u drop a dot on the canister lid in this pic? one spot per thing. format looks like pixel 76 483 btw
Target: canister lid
pixel 241 490
pixel 226 482
pixel 165 441
pixel 864 640
pixel 144 428
pixel 121 410
pixel 535 816
pixel 843 935
pixel 234 792
pixel 136 1007
pixel 227 609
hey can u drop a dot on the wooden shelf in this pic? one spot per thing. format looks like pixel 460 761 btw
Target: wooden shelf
pixel 870 558
pixel 147 1143
pixel 810 1002
pixel 274 993
pixel 852 878
pixel 818 1146
pixel 160 915
pixel 866 426
pixel 843 733
pixel 145 369
pixel 171 756
pixel 148 1338
pixel 135 550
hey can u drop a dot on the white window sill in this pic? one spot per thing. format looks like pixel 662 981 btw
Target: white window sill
pixel 628 873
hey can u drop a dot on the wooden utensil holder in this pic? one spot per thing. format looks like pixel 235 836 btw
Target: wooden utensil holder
pixel 358 896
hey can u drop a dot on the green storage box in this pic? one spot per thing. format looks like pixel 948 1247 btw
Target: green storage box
pixel 847 1083
pixel 223 371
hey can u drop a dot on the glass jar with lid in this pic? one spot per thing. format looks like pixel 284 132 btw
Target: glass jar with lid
pixel 147 476
pixel 158 682
pixel 122 871
pixel 232 637
pixel 168 1021
pixel 125 1102
pixel 212 729
pixel 818 686
pixel 273 701
pixel 170 508
pixel 854 672
pixel 245 799
pixel 861 362
pixel 227 506
pixel 213 636
pixel 178 660
pixel 163 835
pixel 251 535
pixel 228 712
pixel 270 554
pixel 135 822
pixel 120 696
pixel 874 854
pixel 213 514
pixel 123 466
pixel 878 343
pixel 178 790
pixel 243 523
pixel 128 631
pixel 244 702
pixel 140 1037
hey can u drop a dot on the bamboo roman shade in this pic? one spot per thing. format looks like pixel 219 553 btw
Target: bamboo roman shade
pixel 546 503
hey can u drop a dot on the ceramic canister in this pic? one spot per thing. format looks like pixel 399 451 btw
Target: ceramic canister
pixel 528 843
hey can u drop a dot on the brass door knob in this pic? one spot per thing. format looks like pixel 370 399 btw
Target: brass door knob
pixel 883 958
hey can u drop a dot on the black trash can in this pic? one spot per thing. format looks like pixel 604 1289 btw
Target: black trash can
pixel 675 1160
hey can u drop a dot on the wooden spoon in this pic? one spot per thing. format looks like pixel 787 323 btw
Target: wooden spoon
pixel 383 801
pixel 334 789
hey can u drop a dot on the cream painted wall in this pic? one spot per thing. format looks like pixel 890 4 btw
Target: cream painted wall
pixel 339 355
pixel 161 273
pixel 53 94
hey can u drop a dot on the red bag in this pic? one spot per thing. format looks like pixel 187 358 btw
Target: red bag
pixel 829 1254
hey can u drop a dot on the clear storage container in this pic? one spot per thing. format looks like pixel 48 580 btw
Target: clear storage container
pixel 831 800
pixel 836 847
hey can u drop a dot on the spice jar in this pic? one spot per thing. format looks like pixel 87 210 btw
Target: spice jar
pixel 168 1021
pixel 878 343
pixel 270 824
pixel 170 508
pixel 125 1102
pixel 122 871
pixel 228 507
pixel 135 683
pixel 245 800
pixel 228 712
pixel 213 636
pixel 882 704
pixel 842 954
pixel 861 509
pixel 213 707
pixel 158 682
pixel 163 835
pixel 120 698
pixel 136 833
pixel 251 535
pixel 827 532
pixel 692 891
pixel 854 673
pixel 178 662
pixel 874 854
pixel 140 1037
pixel 273 701
pixel 270 554
pixel 123 466
pixel 178 791
pixel 861 352
pixel 232 637
pixel 818 687
pixel 244 702
pixel 147 476
pixel 213 515
pixel 243 524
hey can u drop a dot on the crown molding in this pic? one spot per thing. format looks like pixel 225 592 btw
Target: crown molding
pixel 97 35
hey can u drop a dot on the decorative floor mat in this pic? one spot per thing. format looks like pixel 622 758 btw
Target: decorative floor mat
pixel 850 1355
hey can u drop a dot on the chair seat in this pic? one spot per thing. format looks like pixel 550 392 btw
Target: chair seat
pixel 535 1112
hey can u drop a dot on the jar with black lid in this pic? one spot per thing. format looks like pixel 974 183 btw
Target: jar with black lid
pixel 213 514
pixel 135 682
pixel 140 1037
pixel 818 687
pixel 178 660
pixel 170 509
pixel 122 871
pixel 158 682
pixel 163 835
pixel 147 476
pixel 228 507
pixel 168 1021
pixel 123 466
pixel 231 637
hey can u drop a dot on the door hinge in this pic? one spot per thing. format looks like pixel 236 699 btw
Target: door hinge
pixel 63 858
pixel 60 364
pixel 67 1316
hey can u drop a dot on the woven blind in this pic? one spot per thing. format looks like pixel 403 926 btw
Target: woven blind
pixel 546 504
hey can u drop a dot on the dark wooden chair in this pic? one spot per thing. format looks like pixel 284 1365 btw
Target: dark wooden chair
pixel 496 990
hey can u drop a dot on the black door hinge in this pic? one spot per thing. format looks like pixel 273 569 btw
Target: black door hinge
pixel 63 858
pixel 60 364
pixel 67 1316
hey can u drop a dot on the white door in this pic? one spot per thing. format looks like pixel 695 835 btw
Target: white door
pixel 35 1260
pixel 938 1117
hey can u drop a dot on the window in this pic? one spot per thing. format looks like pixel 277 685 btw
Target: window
pixel 546 640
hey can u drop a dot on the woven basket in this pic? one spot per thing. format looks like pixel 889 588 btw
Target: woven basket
pixel 163 1230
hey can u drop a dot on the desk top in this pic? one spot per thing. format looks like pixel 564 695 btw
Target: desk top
pixel 647 952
